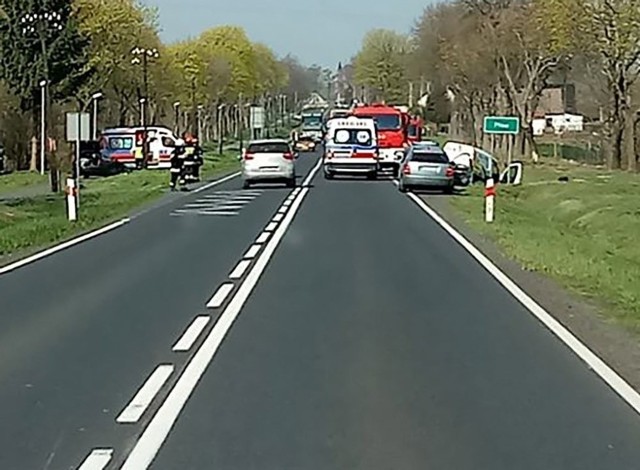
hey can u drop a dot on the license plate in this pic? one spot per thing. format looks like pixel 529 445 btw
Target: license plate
pixel 269 168
pixel 428 169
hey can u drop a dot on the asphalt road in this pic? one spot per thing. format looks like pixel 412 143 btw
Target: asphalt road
pixel 358 335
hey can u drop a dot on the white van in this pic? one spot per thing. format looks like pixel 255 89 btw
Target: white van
pixel 351 148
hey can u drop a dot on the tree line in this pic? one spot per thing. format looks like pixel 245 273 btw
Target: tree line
pixel 86 47
pixel 495 57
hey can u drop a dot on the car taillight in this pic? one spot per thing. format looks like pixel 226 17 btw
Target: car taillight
pixel 406 170
pixel 450 171
pixel 329 154
pixel 288 156
pixel 248 156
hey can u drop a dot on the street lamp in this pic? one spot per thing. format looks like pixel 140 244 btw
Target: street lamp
pixel 94 98
pixel 43 123
pixel 142 56
pixel 36 25
pixel 176 109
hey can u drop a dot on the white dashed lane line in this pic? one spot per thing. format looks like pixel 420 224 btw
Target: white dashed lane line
pixel 141 401
pixel 221 294
pixel 192 333
pixel 278 217
pixel 263 237
pixel 240 268
pixel 252 252
pixel 271 227
pixel 98 459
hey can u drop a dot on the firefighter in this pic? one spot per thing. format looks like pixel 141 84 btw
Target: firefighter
pixel 190 159
pixel 197 158
pixel 177 166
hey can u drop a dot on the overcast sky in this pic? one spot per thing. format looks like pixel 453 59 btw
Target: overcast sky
pixel 320 31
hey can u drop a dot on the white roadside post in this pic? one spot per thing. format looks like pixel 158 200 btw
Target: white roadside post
pixel 489 200
pixel 72 208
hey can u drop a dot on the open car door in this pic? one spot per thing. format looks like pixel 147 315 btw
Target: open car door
pixel 512 174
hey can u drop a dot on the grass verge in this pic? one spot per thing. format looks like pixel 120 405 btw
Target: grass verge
pixel 583 233
pixel 20 180
pixel 37 222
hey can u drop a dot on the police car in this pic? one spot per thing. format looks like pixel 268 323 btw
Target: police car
pixel 351 148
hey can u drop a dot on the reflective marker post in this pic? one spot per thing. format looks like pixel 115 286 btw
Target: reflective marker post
pixel 72 191
pixel 489 200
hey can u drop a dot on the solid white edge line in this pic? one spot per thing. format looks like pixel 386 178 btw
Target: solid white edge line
pixel 63 246
pixel 191 334
pixel 141 401
pixel 216 182
pixel 264 236
pixel 98 459
pixel 220 295
pixel 271 227
pixel 604 371
pixel 278 217
pixel 159 427
pixel 252 252
pixel 240 268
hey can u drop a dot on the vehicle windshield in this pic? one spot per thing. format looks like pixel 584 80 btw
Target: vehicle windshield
pixel 269 147
pixel 312 122
pixel 429 156
pixel 385 122
pixel 353 136
pixel 120 143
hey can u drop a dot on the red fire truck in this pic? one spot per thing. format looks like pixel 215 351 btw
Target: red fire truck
pixel 392 125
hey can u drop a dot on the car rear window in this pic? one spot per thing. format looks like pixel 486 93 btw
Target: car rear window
pixel 430 157
pixel 269 147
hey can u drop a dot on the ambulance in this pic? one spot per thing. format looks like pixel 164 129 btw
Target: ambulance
pixel 351 148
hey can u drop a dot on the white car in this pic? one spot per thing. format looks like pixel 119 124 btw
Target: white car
pixel 269 160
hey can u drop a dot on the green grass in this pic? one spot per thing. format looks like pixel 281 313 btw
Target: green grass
pixel 583 233
pixel 41 221
pixel 20 180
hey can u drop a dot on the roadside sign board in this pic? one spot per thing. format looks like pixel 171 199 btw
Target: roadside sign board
pixel 78 127
pixel 501 125
pixel 256 118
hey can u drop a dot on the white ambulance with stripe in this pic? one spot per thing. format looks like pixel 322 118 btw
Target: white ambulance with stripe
pixel 351 148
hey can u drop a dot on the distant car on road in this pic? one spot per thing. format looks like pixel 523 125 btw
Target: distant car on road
pixel 426 166
pixel 305 144
pixel 269 160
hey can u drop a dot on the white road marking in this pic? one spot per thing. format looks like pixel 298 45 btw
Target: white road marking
pixel 220 295
pixel 98 459
pixel 282 210
pixel 240 268
pixel 216 182
pixel 286 203
pixel 62 246
pixel 271 227
pixel 278 217
pixel 606 373
pixel 264 236
pixel 206 212
pixel 141 401
pixel 252 252
pixel 158 429
pixel 191 334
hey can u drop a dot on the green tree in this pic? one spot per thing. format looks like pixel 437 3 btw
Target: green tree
pixel 381 64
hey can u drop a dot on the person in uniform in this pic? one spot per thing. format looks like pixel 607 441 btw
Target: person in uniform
pixel 177 166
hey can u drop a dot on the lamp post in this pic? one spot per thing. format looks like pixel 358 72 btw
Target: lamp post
pixel 142 56
pixel 176 110
pixel 37 26
pixel 94 99
pixel 43 124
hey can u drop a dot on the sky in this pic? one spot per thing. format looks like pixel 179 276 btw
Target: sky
pixel 323 32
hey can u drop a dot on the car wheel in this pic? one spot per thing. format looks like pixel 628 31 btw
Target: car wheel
pixel 291 183
pixel 246 184
pixel 402 187
pixel 373 175
pixel 328 176
pixel 449 190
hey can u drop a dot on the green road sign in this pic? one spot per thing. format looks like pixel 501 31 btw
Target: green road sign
pixel 501 125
